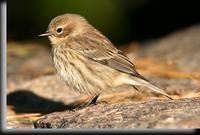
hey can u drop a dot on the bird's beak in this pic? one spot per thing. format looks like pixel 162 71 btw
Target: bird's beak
pixel 45 34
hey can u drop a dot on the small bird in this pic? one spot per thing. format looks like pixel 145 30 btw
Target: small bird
pixel 87 61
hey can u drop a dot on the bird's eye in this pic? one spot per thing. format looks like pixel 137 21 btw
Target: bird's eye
pixel 59 30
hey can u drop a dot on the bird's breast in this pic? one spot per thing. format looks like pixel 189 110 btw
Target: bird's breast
pixel 81 73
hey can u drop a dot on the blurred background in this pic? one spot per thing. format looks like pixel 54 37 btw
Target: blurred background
pixel 122 21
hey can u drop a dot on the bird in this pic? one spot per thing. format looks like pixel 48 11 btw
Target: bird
pixel 87 61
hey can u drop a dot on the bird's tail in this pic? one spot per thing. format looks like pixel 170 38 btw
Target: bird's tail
pixel 141 82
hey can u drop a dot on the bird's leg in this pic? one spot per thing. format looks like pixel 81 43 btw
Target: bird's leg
pixel 91 100
pixel 135 88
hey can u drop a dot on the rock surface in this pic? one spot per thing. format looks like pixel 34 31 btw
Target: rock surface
pixel 183 113
pixel 181 47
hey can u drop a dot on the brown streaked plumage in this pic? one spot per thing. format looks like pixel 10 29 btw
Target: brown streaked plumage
pixel 87 61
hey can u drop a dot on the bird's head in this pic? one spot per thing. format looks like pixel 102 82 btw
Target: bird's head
pixel 63 26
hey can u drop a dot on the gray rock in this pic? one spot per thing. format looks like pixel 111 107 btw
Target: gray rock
pixel 183 113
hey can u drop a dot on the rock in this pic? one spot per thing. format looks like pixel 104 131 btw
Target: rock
pixel 27 60
pixel 180 48
pixel 182 113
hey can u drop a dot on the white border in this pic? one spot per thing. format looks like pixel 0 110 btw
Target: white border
pixel 3 65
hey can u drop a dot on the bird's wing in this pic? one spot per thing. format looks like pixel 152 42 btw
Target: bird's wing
pixel 101 50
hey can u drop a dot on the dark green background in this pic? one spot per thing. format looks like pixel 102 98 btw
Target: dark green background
pixel 122 21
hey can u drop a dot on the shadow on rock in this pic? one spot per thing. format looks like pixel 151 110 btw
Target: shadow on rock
pixel 27 102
